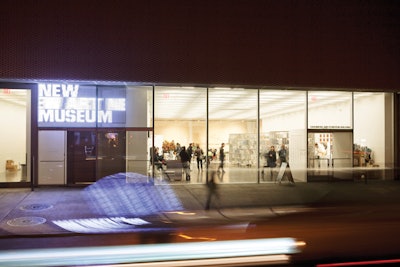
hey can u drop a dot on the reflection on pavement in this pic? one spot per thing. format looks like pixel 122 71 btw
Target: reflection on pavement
pixel 131 195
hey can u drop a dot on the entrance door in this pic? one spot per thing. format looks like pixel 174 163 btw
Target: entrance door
pixel 81 157
pixel 93 154
pixel 330 155
pixel 111 154
pixel 51 157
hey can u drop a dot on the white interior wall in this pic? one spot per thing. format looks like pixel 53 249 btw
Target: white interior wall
pixel 182 132
pixel 298 154
pixel 330 115
pixel 185 132
pixel 13 134
pixel 284 122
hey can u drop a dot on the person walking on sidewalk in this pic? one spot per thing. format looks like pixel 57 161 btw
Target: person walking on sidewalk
pixel 212 189
pixel 185 159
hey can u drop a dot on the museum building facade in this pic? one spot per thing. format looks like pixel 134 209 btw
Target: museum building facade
pixel 69 133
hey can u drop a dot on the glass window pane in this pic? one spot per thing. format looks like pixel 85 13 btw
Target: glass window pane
pixel 137 152
pixel 329 110
pixel 283 125
pixel 180 120
pixel 139 106
pixel 111 106
pixel 373 132
pixel 15 116
pixel 233 121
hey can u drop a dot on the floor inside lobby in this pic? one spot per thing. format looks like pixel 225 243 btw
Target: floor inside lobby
pixel 13 176
pixel 231 174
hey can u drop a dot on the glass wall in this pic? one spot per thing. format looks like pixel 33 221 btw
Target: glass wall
pixel 314 134
pixel 316 130
pixel 283 126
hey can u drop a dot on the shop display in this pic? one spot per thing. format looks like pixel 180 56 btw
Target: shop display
pixel 362 156
pixel 243 147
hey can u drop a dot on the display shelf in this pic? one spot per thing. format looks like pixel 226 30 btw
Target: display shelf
pixel 243 149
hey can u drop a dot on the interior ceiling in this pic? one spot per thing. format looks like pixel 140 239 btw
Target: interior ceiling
pixel 179 103
pixel 14 96
pixel 237 104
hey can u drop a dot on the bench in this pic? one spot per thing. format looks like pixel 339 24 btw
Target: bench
pixel 173 170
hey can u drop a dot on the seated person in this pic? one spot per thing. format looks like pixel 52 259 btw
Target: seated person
pixel 158 160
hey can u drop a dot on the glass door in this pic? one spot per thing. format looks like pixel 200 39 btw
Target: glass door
pixel 111 154
pixel 81 156
pixel 123 151
pixel 330 155
pixel 93 154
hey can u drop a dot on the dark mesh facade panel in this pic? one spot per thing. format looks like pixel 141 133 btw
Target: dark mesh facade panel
pixel 353 44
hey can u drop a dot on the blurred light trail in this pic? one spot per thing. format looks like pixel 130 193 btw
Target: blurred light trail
pixel 152 253
pixel 360 263
pixel 223 262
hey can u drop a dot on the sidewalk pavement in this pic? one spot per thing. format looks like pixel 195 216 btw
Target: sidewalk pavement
pixel 272 194
pixel 26 212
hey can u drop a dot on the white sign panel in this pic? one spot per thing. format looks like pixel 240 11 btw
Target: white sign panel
pixel 72 105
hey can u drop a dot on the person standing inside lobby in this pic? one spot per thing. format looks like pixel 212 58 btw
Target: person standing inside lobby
pixel 283 154
pixel 221 158
pixel 199 157
pixel 189 151
pixel 271 160
pixel 185 159
pixel 283 159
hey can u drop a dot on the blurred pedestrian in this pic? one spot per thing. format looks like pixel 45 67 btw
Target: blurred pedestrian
pixel 211 188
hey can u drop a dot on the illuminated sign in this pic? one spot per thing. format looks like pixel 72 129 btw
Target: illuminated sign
pixel 72 104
